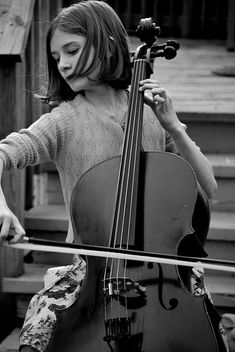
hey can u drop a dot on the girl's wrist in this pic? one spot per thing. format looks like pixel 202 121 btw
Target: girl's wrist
pixel 2 199
pixel 177 131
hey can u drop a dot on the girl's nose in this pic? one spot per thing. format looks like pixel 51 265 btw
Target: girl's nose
pixel 64 65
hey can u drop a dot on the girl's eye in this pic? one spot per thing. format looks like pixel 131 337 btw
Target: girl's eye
pixel 73 52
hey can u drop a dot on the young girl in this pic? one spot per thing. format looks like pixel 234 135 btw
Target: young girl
pixel 89 74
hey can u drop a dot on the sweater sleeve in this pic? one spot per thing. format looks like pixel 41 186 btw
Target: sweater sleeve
pixel 30 146
pixel 170 144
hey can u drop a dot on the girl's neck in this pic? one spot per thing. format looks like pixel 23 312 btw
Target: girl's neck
pixel 101 94
pixel 113 102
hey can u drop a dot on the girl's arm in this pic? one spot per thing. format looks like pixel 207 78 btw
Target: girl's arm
pixel 7 219
pixel 37 144
pixel 201 165
pixel 162 107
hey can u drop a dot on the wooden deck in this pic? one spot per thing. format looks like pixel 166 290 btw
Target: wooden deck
pixel 190 79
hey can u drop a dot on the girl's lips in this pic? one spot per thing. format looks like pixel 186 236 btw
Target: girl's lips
pixel 69 77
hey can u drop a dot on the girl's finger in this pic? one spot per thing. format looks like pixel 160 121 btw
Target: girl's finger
pixel 5 227
pixel 149 81
pixel 148 99
pixel 149 86
pixel 19 231
pixel 157 98
pixel 160 90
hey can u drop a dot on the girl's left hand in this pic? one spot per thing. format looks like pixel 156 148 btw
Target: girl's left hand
pixel 160 102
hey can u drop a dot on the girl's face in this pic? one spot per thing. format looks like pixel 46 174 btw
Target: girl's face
pixel 66 49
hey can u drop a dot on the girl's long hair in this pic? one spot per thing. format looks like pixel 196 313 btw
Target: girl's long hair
pixel 103 30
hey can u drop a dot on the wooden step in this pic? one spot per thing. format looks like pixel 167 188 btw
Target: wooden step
pixel 213 133
pixel 30 282
pixel 11 342
pixel 220 241
pixel 47 217
pixel 224 199
pixel 222 226
pixel 223 164
pixel 222 290
pixel 224 170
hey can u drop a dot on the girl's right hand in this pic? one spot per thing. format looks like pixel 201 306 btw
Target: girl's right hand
pixel 9 224
pixel 160 101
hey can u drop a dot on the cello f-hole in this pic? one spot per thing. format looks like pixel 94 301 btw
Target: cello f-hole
pixel 173 302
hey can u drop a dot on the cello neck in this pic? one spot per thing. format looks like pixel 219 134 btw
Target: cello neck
pixel 124 216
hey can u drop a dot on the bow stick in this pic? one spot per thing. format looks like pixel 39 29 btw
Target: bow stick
pixel 29 243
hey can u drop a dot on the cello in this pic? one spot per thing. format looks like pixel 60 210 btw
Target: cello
pixel 123 203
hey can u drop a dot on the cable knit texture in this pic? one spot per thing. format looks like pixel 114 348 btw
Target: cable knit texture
pixel 76 136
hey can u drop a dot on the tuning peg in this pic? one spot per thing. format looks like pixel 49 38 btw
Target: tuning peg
pixel 173 43
pixel 169 52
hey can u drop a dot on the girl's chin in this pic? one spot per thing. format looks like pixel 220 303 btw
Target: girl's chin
pixel 82 83
pixel 79 87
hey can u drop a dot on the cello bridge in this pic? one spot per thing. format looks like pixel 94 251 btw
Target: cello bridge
pixel 121 285
pixel 126 291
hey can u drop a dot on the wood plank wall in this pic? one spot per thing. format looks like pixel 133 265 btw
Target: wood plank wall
pixel 21 72
pixel 12 117
pixel 177 18
pixel 44 11
pixel 18 109
pixel 13 110
pixel 231 26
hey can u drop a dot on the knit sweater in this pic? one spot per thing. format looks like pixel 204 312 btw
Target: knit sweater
pixel 76 136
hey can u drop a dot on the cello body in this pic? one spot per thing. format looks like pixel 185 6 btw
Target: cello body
pixel 144 201
pixel 149 308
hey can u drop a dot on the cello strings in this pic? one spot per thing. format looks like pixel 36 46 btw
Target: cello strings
pixel 133 139
pixel 118 212
pixel 123 191
pixel 126 177
pixel 121 208
pixel 112 242
pixel 116 215
pixel 136 141
pixel 133 167
pixel 133 164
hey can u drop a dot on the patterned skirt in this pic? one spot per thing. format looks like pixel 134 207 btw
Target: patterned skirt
pixel 61 290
